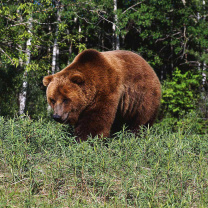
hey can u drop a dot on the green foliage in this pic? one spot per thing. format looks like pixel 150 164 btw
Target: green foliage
pixel 43 166
pixel 167 34
pixel 9 84
pixel 180 93
pixel 190 122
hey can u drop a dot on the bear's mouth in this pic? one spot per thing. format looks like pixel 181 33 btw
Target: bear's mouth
pixel 66 120
pixel 62 120
pixel 69 120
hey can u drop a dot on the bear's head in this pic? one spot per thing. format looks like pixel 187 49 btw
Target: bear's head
pixel 66 95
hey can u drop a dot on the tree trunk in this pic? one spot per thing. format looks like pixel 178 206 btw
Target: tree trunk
pixel 184 2
pixel 55 46
pixel 204 67
pixel 116 41
pixel 55 57
pixel 23 93
pixel 80 30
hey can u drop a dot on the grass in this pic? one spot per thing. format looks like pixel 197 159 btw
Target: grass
pixel 41 165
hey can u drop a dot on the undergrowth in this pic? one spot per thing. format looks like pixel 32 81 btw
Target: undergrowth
pixel 41 165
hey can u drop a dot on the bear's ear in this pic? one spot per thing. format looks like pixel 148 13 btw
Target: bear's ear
pixel 47 80
pixel 77 78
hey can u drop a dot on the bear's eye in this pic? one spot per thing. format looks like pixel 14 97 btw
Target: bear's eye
pixel 65 101
pixel 53 101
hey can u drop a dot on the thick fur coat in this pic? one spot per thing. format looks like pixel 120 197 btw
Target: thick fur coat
pixel 99 92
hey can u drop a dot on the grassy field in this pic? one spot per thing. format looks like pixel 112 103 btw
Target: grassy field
pixel 41 165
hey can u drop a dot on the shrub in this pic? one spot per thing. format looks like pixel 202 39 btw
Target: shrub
pixel 180 94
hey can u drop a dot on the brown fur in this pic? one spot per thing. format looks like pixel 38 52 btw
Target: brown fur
pixel 101 91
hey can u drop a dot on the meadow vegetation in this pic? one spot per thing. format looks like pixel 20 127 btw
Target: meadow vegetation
pixel 42 165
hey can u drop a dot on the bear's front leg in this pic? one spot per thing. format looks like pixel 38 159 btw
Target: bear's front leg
pixel 97 121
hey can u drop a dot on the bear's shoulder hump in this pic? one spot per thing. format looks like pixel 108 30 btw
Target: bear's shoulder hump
pixel 89 55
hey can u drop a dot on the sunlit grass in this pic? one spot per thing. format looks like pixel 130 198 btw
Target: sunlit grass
pixel 41 165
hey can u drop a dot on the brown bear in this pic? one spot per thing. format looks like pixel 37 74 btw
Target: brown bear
pixel 99 92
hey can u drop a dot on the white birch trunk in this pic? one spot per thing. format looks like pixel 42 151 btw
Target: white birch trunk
pixel 79 30
pixel 49 48
pixel 204 76
pixel 55 64
pixel 116 41
pixel 204 68
pixel 57 59
pixel 184 2
pixel 23 93
pixel 53 69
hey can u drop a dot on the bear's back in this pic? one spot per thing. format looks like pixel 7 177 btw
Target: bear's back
pixel 141 90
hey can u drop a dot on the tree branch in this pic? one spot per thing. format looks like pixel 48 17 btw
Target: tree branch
pixel 7 55
pixel 106 19
pixel 131 7
pixel 184 2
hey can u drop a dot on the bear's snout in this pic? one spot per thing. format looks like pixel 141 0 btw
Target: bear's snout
pixel 57 118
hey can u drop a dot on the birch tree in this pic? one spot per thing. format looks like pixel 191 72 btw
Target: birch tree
pixel 204 68
pixel 116 41
pixel 168 35
pixel 23 93
pixel 55 56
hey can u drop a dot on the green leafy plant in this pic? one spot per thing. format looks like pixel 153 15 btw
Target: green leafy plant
pixel 180 94
pixel 41 165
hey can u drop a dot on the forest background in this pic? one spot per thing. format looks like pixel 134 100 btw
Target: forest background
pixel 42 37
pixel 42 165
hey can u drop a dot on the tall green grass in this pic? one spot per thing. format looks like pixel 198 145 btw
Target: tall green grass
pixel 41 165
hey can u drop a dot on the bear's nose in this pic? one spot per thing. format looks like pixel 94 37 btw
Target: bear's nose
pixel 57 117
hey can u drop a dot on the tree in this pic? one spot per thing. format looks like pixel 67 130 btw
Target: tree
pixel 116 41
pixel 169 34
pixel 55 57
pixel 23 93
